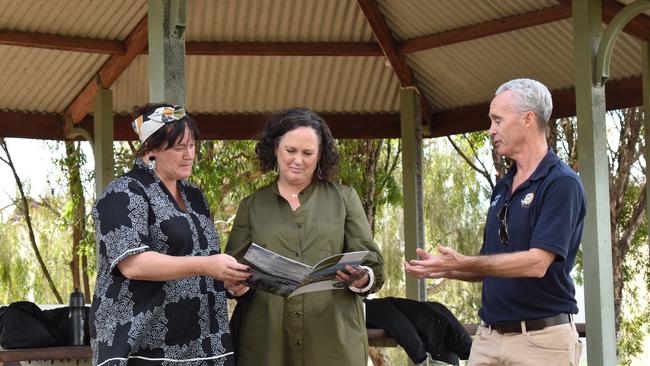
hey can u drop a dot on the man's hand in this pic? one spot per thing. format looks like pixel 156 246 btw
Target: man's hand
pixel 434 266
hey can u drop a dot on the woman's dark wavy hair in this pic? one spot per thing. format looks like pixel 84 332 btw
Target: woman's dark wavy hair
pixel 166 136
pixel 282 122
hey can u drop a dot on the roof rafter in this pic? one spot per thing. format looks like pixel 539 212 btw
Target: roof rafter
pixel 282 48
pixel 502 25
pixel 248 125
pixel 107 74
pixel 62 43
pixel 639 27
pixel 384 37
pixel 397 60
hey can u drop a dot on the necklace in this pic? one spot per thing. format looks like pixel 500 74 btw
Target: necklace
pixel 294 195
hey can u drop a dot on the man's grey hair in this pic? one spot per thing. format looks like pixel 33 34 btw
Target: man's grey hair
pixel 530 95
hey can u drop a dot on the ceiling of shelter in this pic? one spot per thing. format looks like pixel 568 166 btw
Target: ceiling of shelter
pixel 346 59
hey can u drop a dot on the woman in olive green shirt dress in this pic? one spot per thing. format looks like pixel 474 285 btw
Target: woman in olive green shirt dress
pixel 304 216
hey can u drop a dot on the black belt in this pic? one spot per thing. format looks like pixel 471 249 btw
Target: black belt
pixel 537 324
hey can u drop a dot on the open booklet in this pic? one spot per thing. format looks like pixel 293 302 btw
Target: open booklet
pixel 274 273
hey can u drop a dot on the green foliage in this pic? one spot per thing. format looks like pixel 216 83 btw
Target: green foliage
pixel 21 277
pixel 357 155
pixel 454 206
pixel 226 172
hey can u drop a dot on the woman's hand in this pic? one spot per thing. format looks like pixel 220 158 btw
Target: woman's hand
pixel 235 289
pixel 226 268
pixel 353 276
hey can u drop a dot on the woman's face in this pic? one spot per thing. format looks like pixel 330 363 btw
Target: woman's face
pixel 297 154
pixel 175 163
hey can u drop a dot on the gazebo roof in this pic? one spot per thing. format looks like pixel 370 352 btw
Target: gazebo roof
pixel 346 59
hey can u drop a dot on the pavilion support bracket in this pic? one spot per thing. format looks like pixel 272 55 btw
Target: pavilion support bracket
pixel 613 30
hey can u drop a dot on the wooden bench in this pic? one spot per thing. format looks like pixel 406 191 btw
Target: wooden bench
pixel 11 357
pixel 376 338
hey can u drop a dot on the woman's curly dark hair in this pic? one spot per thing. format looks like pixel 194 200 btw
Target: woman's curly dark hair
pixel 167 136
pixel 282 122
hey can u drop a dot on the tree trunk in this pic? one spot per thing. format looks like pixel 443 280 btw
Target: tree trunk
pixel 28 219
pixel 76 197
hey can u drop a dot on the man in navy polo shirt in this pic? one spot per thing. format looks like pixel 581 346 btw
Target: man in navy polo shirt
pixel 532 233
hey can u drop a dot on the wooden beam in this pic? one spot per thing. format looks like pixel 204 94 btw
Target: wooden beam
pixel 620 94
pixel 247 126
pixel 108 73
pixel 397 60
pixel 61 43
pixel 45 126
pixel 207 48
pixel 217 48
pixel 385 39
pixel 530 19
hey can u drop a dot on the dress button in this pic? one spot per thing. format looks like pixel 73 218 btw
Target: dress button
pixel 295 253
pixel 298 343
pixel 299 226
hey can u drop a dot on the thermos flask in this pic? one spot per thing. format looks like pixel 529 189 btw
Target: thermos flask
pixel 77 321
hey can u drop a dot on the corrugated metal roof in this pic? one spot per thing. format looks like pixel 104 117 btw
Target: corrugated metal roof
pixel 469 72
pixel 43 80
pixel 415 18
pixel 455 75
pixel 89 18
pixel 239 84
pixel 277 20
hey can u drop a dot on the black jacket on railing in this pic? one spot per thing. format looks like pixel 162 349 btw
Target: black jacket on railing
pixel 420 327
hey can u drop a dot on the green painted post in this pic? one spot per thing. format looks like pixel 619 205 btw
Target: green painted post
pixel 594 172
pixel 646 105
pixel 167 24
pixel 103 139
pixel 411 130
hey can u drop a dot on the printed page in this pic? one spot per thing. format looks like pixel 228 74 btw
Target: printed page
pixel 272 272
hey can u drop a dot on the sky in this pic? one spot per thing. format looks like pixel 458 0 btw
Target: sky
pixel 33 160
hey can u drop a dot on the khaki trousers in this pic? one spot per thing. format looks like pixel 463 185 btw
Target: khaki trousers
pixel 556 345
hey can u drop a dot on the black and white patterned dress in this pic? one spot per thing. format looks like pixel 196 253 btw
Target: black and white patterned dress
pixel 175 322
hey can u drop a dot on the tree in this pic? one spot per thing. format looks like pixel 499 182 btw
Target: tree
pixel 76 218
pixel 25 210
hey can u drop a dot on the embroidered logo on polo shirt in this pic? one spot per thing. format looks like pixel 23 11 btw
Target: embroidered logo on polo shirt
pixel 496 199
pixel 526 201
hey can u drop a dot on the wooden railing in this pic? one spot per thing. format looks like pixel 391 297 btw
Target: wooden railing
pixel 376 338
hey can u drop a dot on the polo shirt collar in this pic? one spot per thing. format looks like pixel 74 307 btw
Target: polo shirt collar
pixel 543 169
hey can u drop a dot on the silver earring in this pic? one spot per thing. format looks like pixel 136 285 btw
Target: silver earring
pixel 318 173
pixel 152 163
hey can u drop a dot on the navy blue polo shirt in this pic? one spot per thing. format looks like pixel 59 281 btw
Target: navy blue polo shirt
pixel 546 211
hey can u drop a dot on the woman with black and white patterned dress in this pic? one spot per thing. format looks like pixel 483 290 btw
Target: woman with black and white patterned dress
pixel 159 297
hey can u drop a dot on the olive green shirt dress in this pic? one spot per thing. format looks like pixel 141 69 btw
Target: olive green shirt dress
pixel 319 328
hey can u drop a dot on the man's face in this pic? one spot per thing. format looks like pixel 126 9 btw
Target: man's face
pixel 507 125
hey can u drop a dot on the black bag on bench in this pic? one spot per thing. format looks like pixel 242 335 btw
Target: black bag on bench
pixel 24 325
